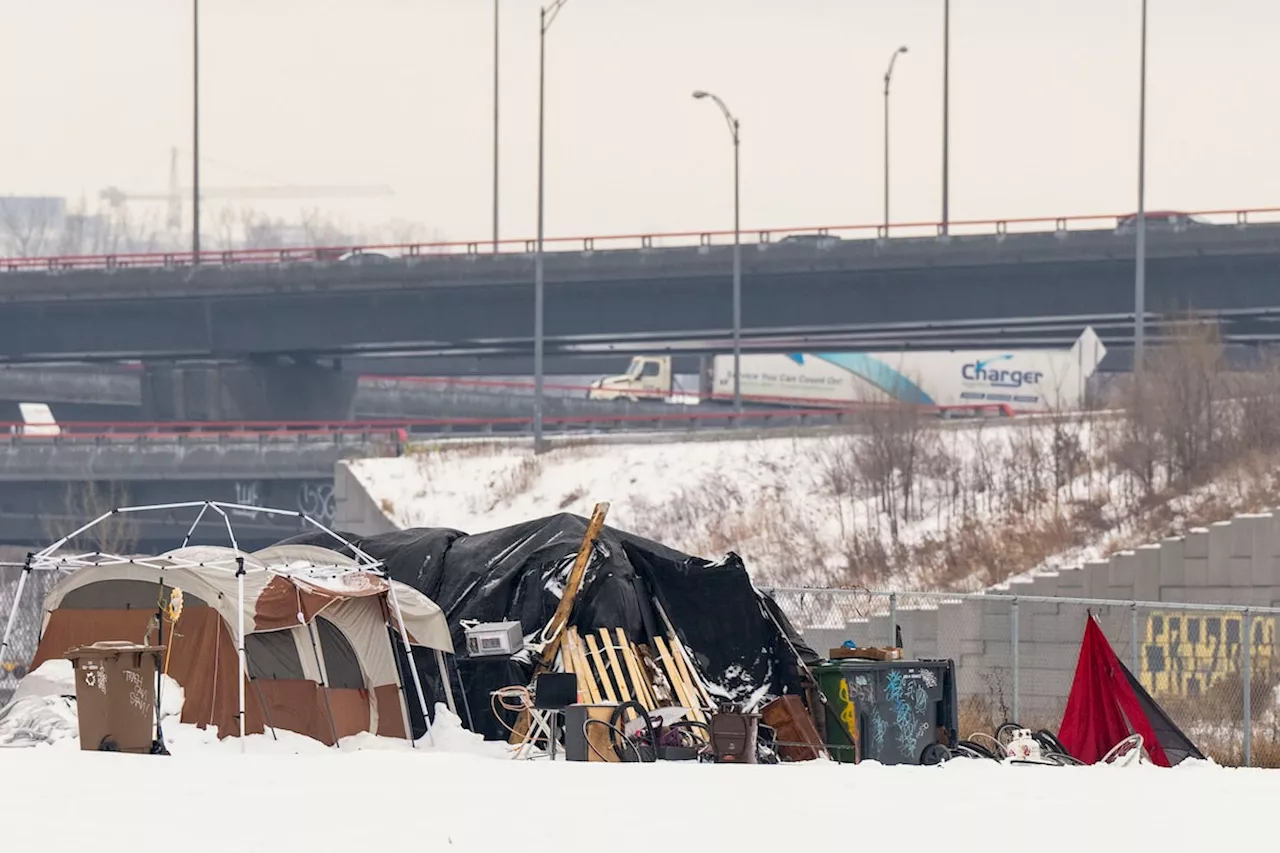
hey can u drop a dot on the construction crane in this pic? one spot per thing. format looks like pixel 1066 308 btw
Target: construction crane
pixel 176 195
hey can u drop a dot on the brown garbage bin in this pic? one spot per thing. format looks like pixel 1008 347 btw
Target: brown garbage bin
pixel 116 695
pixel 733 737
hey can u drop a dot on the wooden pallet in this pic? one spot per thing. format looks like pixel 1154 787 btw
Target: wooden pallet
pixel 610 668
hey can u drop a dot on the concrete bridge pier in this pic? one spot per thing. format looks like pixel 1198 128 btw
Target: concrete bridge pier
pixel 253 392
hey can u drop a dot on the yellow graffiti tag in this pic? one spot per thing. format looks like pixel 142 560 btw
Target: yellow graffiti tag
pixel 1186 654
pixel 848 715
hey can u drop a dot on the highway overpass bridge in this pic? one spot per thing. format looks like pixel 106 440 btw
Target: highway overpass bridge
pixel 85 393
pixel 274 321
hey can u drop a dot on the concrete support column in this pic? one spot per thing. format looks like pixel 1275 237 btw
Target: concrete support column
pixel 248 393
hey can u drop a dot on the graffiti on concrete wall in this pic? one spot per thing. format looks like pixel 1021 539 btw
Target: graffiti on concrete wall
pixel 317 501
pixel 314 498
pixel 1186 654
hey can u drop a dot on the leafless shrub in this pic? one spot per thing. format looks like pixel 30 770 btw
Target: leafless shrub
pixel 515 480
pixel 83 502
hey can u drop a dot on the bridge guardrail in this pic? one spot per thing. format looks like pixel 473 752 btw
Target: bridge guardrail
pixel 701 240
pixel 402 430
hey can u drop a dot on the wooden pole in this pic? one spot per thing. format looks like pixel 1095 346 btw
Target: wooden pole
pixel 556 626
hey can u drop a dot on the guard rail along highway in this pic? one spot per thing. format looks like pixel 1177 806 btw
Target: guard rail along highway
pixel 816 235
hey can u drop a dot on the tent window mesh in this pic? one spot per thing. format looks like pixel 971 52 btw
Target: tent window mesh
pixel 122 595
pixel 340 661
pixel 273 656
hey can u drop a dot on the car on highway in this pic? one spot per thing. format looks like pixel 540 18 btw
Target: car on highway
pixel 1164 220
pixel 821 241
pixel 361 257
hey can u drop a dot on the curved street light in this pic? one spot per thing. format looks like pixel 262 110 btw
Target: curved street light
pixel 547 18
pixel 888 78
pixel 734 129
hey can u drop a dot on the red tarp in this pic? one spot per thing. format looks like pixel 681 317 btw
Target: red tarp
pixel 1103 708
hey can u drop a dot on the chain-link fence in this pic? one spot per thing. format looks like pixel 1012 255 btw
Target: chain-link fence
pixel 16 657
pixel 1016 656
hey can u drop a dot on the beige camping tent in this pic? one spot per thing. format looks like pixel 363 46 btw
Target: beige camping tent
pixel 318 634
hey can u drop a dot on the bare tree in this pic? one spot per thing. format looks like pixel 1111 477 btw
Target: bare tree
pixel 29 226
pixel 82 503
pixel 319 230
pixel 260 231
pixel 897 445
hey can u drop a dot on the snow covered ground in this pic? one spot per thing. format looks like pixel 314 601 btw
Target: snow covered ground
pixel 943 505
pixel 805 510
pixel 73 801
pixel 465 795
pixel 775 501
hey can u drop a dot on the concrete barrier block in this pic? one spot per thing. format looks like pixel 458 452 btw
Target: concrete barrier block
pixel 1096 578
pixel 1214 595
pixel 1065 628
pixel 1220 553
pixel 1146 584
pixel 1124 567
pixel 1196 543
pixel 1218 569
pixel 1046 584
pixel 1197 572
pixel 1046 689
pixel 1272 534
pixel 999 628
pixel 1262 596
pixel 1051 655
pixel 1173 565
pixel 1240 533
pixel 1241 572
pixel 1266 569
pixel 1070 582
pixel 997 652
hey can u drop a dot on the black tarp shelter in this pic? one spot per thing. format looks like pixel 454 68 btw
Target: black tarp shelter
pixel 739 638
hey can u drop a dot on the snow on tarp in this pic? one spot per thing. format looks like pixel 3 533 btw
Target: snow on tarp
pixel 518 574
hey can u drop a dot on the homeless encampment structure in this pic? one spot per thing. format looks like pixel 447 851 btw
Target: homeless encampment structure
pixel 319 631
pixel 742 648
pixel 651 653
pixel 319 654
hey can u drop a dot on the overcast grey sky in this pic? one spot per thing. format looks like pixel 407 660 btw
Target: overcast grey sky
pixel 1044 106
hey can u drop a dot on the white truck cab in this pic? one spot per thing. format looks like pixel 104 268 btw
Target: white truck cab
pixel 648 378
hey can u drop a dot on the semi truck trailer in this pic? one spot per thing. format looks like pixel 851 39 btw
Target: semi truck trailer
pixel 1014 381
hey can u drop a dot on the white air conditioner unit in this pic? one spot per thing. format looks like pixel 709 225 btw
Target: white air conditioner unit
pixel 494 638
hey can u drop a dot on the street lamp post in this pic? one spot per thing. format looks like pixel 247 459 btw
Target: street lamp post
pixel 946 116
pixel 734 130
pixel 1140 275
pixel 547 18
pixel 496 35
pixel 888 78
pixel 195 132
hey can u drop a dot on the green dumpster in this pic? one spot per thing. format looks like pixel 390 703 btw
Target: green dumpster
pixel 895 710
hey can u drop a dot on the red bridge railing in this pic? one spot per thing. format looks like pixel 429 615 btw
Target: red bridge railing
pixel 676 239
pixel 400 430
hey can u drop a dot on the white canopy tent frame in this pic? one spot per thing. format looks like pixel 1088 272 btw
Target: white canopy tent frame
pixel 47 560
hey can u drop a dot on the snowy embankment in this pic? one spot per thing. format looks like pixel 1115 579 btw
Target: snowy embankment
pixel 914 505
pixel 465 795
pixel 792 507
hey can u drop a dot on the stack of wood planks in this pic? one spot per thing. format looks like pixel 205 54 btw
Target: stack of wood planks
pixel 613 669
